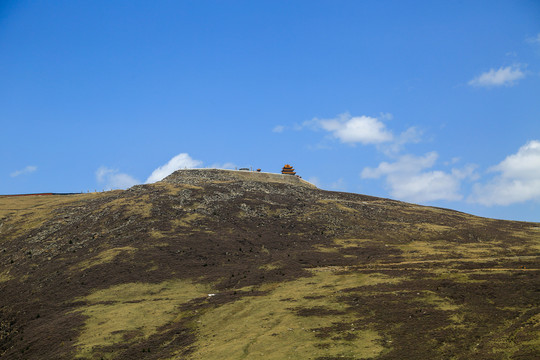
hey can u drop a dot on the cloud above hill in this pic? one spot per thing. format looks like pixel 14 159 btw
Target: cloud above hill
pixel 409 179
pixel 27 170
pixel 180 161
pixel 356 129
pixel 114 179
pixel 364 130
pixel 506 76
pixel 517 179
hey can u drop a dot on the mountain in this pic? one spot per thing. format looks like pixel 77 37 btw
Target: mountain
pixel 217 264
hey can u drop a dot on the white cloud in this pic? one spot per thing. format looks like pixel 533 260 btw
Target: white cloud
pixel 226 166
pixel 411 135
pixel 113 179
pixel 454 160
pixel 278 129
pixel 358 129
pixel 504 76
pixel 365 130
pixel 468 172
pixel 315 181
pixel 27 170
pixel 339 185
pixel 386 116
pixel 407 164
pixel 103 172
pixel 534 40
pixel 518 179
pixel 408 179
pixel 426 186
pixel 180 161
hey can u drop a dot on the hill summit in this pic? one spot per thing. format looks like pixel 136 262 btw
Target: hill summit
pixel 202 176
pixel 217 264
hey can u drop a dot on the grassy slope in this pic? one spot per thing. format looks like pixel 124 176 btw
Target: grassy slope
pixel 262 271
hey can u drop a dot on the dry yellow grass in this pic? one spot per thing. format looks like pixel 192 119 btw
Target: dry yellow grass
pixel 34 210
pixel 432 227
pixel 326 249
pixel 136 309
pixel 350 243
pixel 268 327
pixel 478 251
pixel 444 304
pixel 268 178
pixel 4 276
pixel 187 220
pixel 13 205
pixel 338 205
pixel 506 345
pixel 140 206
pixel 106 256
pixel 271 266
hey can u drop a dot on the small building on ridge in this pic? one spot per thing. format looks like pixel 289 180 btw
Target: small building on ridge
pixel 288 170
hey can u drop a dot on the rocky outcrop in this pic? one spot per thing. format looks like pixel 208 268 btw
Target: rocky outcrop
pixel 203 176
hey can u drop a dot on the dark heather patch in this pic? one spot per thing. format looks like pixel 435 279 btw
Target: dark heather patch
pixel 316 311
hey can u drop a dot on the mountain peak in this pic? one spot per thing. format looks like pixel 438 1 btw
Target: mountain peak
pixel 204 176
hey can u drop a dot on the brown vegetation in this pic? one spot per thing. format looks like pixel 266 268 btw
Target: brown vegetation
pixel 211 264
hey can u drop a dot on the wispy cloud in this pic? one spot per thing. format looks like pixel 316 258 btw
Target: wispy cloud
pixel 114 179
pixel 409 179
pixel 339 185
pixel 315 181
pixel 180 161
pixel 279 128
pixel 518 179
pixel 506 76
pixel 226 166
pixel 534 39
pixel 27 170
pixel 411 135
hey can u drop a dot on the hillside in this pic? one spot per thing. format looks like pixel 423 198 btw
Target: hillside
pixel 215 264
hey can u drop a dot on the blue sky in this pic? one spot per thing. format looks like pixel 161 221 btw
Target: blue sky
pixel 430 102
